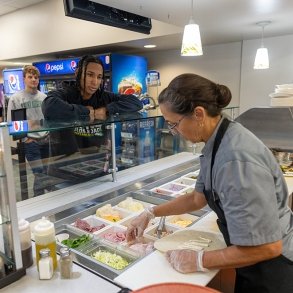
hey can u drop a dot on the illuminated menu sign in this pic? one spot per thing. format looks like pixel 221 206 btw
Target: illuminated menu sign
pixel 58 67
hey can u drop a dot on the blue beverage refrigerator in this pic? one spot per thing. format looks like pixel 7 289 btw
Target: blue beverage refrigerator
pixel 124 74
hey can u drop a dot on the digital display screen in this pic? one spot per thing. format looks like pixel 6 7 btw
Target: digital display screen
pixel 13 81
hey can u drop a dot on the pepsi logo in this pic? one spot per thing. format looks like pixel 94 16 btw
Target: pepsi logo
pixel 16 126
pixel 12 81
pixel 73 65
pixel 48 67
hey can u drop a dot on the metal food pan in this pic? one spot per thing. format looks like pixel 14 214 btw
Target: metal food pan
pixel 72 232
pixel 84 255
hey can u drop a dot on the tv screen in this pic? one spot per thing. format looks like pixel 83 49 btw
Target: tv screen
pixel 13 81
pixel 95 12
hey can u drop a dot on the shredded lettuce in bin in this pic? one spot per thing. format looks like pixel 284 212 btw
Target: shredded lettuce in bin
pixel 111 259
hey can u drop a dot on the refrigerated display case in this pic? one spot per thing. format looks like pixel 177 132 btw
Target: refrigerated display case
pixel 149 184
pixel 11 267
pixel 84 198
pixel 70 163
pixel 56 74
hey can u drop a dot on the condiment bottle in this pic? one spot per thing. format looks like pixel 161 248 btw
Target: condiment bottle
pixel 44 233
pixel 25 243
pixel 45 264
pixel 65 263
pixel 2 268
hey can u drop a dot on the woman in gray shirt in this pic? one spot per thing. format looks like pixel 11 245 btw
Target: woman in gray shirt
pixel 242 183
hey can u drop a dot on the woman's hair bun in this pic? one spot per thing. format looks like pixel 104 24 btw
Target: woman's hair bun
pixel 224 96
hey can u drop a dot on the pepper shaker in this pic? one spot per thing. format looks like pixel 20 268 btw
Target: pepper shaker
pixel 65 263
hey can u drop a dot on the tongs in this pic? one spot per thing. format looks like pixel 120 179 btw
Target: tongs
pixel 161 228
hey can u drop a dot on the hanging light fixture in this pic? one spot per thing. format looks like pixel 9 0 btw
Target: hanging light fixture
pixel 262 56
pixel 191 43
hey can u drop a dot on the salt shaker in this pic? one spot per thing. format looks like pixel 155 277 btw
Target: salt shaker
pixel 65 263
pixel 45 264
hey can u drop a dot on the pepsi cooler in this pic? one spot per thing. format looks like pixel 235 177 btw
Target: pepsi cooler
pixel 56 74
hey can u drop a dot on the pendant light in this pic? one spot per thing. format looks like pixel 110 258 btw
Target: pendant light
pixel 191 43
pixel 262 56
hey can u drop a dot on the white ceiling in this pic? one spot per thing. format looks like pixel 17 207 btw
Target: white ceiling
pixel 220 21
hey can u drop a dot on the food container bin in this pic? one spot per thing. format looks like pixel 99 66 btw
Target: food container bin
pixel 162 191
pixel 191 175
pixel 185 181
pixel 150 232
pixel 132 205
pixel 122 214
pixel 114 258
pixel 93 222
pixel 173 187
pixel 116 234
pixel 182 221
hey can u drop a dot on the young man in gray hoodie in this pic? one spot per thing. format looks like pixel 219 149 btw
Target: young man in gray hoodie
pixel 36 143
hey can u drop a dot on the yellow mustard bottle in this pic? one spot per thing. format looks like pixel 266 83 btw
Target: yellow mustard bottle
pixel 44 233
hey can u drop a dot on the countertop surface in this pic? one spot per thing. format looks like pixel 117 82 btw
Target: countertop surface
pixel 135 277
pixel 82 279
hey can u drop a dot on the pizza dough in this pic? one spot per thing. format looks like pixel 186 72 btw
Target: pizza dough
pixel 190 239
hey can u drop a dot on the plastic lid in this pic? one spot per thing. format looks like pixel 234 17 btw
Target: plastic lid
pixel 45 252
pixel 44 227
pixel 23 225
pixel 64 251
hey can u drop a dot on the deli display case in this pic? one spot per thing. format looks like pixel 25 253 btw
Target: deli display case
pixel 97 237
pixel 82 184
pixel 82 178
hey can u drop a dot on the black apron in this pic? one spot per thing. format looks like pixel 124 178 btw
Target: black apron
pixel 270 276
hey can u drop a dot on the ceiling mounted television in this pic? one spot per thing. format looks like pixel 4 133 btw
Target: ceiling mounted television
pixel 95 12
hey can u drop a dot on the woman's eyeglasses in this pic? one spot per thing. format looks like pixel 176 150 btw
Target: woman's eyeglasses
pixel 172 126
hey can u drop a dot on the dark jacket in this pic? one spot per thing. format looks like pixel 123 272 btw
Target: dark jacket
pixel 67 104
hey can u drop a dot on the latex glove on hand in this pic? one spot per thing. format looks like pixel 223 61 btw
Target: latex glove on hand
pixel 186 260
pixel 138 225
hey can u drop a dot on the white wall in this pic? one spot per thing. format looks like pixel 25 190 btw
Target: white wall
pixel 256 85
pixel 232 64
pixel 220 63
